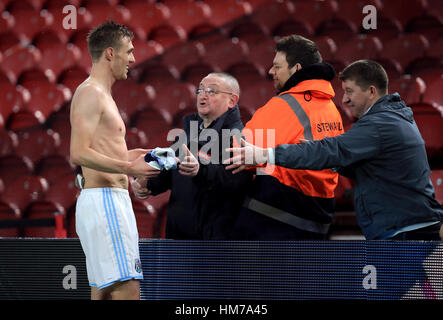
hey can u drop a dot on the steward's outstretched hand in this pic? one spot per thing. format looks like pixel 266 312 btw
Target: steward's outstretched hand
pixel 247 155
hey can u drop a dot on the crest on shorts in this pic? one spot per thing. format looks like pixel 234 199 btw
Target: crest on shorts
pixel 138 266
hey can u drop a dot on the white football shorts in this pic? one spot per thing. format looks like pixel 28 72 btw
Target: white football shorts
pixel 106 227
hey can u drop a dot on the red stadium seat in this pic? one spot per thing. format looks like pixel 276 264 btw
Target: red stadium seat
pixel 8 39
pixel 194 73
pixel 405 48
pixel 178 116
pixel 272 13
pixel 436 49
pixel 327 48
pixel 392 67
pixel 102 12
pixel 63 191
pixel 35 21
pixel 61 20
pixel 352 10
pixel 175 97
pixel 411 89
pixel 145 16
pixel 339 30
pixel 247 73
pixel 135 139
pixel 46 97
pixel 226 11
pixel 437 181
pixel 46 37
pixel 248 31
pixel 53 166
pixel 162 138
pixel 7 21
pixel 58 56
pixel 145 216
pixel 14 166
pixel 430 123
pixel 262 53
pixel 315 12
pixel 158 75
pixel 293 26
pixel 131 97
pixel 434 93
pixel 36 74
pixel 428 25
pixel 24 190
pixel 415 8
pixel 160 203
pixel 36 144
pixel 45 219
pixel 225 53
pixel 144 50
pixel 24 119
pixel 10 217
pixel 435 7
pixel 359 47
pixel 183 55
pixel 386 30
pixel 19 58
pixel 79 39
pixel 188 13
pixel 167 35
pixel 151 121
pixel 10 100
pixel 8 142
pixel 255 4
pixel 72 77
pixel 257 94
pixel 59 122
pixel 63 126
pixel 25 4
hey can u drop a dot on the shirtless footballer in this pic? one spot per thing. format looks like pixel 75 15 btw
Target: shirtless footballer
pixel 105 220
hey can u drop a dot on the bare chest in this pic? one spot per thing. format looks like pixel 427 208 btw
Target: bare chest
pixel 111 122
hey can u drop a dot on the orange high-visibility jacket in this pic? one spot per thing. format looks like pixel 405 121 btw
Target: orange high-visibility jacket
pixel 314 118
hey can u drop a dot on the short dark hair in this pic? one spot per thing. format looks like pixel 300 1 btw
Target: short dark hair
pixel 108 34
pixel 366 73
pixel 299 49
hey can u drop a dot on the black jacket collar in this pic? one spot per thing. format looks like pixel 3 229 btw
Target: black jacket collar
pixel 231 116
pixel 322 70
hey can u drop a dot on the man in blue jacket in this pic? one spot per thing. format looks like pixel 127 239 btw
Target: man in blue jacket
pixel 383 153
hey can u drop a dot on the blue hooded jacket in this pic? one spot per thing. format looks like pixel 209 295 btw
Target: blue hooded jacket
pixel 385 155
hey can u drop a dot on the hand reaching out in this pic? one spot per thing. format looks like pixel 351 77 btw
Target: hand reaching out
pixel 189 166
pixel 247 155
pixel 139 187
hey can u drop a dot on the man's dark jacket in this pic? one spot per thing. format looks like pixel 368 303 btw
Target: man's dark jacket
pixel 385 155
pixel 205 206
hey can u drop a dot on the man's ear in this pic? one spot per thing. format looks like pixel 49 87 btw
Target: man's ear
pixel 233 100
pixel 295 68
pixel 109 53
pixel 373 91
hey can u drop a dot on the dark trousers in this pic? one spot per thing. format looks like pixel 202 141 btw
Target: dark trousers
pixel 427 233
pixel 255 226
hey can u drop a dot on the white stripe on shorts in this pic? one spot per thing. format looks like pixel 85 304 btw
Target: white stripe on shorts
pixel 114 229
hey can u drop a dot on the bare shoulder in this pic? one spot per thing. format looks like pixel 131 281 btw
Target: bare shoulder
pixel 87 96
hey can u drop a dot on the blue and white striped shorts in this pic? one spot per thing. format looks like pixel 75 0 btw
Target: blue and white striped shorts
pixel 106 226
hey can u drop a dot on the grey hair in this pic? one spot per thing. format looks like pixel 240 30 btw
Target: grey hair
pixel 230 80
